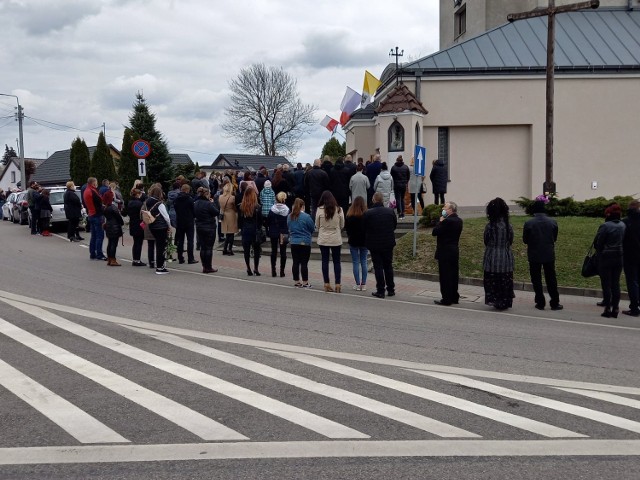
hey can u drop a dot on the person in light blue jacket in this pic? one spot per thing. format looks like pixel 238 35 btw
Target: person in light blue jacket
pixel 301 228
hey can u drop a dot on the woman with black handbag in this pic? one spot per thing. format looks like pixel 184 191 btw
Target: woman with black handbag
pixel 250 220
pixel 608 245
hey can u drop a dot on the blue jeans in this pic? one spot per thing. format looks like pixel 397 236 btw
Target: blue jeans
pixel 359 261
pixel 97 236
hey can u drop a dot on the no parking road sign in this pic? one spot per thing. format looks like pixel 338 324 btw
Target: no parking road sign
pixel 141 149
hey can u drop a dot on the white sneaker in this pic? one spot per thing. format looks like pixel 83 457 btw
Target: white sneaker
pixel 161 271
pixel 356 287
pixel 363 288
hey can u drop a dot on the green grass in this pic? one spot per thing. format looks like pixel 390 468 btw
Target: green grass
pixel 574 237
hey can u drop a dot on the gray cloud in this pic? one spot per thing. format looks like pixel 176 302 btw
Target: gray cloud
pixel 333 49
pixel 43 17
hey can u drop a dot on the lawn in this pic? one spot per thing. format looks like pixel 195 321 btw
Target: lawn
pixel 574 237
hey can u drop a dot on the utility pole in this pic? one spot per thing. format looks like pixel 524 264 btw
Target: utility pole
pixel 549 186
pixel 20 116
pixel 397 55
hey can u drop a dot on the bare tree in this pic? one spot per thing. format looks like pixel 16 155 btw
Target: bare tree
pixel 266 114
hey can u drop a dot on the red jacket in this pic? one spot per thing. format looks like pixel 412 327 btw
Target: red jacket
pixel 92 200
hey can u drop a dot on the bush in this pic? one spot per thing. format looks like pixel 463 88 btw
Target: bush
pixel 430 215
pixel 568 207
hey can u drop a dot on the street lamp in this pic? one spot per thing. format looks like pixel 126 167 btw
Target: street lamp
pixel 23 175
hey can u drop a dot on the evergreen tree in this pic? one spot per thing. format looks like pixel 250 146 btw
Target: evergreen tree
pixel 334 149
pixel 102 166
pixel 185 170
pixel 9 153
pixel 80 162
pixel 143 125
pixel 128 172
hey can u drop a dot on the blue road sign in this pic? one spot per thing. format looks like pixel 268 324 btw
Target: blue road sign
pixel 420 159
pixel 141 148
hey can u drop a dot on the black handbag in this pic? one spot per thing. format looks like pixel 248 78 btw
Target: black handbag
pixel 590 263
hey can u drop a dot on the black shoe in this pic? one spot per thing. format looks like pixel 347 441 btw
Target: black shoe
pixel 391 293
pixel 102 258
pixel 193 261
pixel 442 302
pixel 161 271
pixel 556 307
pixel 377 294
pixel 256 273
pixel 281 273
pixel 606 313
pixel 138 264
pixel 600 304
pixel 230 252
pixel 632 313
pixel 152 264
pixel 181 261
pixel 224 252
pixel 79 238
pixel 249 272
pixel 540 306
pixel 273 272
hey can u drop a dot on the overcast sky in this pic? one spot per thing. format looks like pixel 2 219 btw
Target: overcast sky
pixel 79 63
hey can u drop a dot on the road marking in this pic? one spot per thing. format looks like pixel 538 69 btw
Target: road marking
pixel 383 409
pixel 295 415
pixel 576 410
pixel 326 449
pixel 75 421
pixel 182 416
pixel 523 423
pixel 322 353
pixel 607 397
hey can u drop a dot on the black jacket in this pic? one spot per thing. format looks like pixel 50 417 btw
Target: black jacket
pixel 153 205
pixel 631 242
pixel 438 177
pixel 133 210
pixel 183 206
pixel 540 234
pixel 206 214
pixel 340 177
pixel 401 175
pixel 608 243
pixel 298 182
pixel 379 227
pixel 447 233
pixel 316 181
pixel 355 230
pixel 113 221
pixel 72 205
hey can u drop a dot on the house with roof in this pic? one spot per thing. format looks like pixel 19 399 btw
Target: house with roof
pixel 55 169
pixel 10 176
pixel 479 105
pixel 237 161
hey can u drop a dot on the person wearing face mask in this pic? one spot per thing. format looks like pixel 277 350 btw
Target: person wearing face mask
pixel 447 232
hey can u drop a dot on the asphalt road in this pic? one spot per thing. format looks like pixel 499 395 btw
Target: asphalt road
pixel 121 373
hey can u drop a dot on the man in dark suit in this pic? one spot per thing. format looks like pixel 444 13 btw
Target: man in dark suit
pixel 379 229
pixel 447 232
pixel 540 234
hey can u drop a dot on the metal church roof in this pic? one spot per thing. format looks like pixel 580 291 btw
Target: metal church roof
pixel 592 40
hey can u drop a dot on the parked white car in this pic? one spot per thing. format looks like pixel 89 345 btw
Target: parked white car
pixel 56 198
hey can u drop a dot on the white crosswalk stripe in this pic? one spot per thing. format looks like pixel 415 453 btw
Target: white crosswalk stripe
pixel 604 396
pixel 449 400
pixel 280 409
pixel 398 414
pixel 75 421
pixel 576 410
pixel 182 416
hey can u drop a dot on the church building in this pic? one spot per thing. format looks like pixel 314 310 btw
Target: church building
pixel 479 105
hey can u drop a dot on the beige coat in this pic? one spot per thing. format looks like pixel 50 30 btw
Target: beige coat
pixel 228 209
pixel 329 231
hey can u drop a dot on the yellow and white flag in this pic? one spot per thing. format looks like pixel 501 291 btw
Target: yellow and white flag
pixel 369 88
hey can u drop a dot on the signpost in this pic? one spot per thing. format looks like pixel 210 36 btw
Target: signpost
pixel 419 166
pixel 141 149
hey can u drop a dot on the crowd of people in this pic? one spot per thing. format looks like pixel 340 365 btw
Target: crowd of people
pixel 286 207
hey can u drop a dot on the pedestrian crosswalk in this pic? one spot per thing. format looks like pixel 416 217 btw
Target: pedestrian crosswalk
pixel 308 396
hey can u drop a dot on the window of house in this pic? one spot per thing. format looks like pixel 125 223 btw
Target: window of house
pixel 13 177
pixel 417 133
pixel 443 147
pixel 396 137
pixel 460 21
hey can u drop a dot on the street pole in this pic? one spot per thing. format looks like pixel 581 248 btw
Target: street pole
pixel 23 176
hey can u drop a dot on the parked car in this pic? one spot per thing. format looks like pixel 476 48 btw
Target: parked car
pixel 20 211
pixel 7 208
pixel 56 198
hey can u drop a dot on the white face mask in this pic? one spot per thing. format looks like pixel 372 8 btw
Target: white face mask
pixel 444 213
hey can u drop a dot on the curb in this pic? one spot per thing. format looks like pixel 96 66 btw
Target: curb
pixel 522 286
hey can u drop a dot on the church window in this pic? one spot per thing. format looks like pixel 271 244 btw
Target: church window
pixel 460 22
pixel 396 137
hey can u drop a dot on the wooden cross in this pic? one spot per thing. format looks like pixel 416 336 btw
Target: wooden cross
pixel 549 186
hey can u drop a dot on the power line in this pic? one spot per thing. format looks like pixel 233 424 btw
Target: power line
pixel 68 127
pixel 8 123
pixel 192 151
